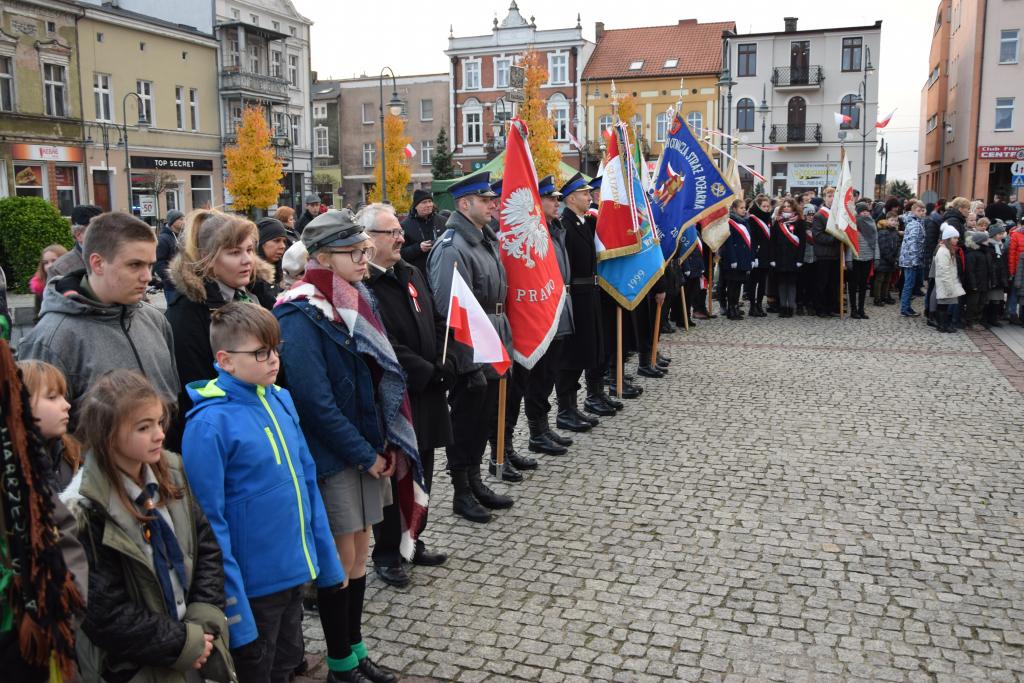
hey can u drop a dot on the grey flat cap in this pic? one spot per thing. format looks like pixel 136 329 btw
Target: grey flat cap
pixel 311 198
pixel 334 228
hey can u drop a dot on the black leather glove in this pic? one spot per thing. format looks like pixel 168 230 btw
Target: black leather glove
pixel 476 381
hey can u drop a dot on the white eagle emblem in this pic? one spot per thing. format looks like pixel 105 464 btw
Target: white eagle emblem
pixel 524 227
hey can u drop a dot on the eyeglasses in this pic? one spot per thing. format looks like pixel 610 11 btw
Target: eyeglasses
pixel 357 255
pixel 395 234
pixel 262 355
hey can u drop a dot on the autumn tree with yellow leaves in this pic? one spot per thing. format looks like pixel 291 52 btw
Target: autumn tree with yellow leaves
pixel 399 175
pixel 254 171
pixel 533 111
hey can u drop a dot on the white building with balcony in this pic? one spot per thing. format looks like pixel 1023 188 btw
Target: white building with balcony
pixel 787 88
pixel 265 62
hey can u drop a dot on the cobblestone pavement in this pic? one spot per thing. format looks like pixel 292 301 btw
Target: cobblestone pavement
pixel 799 500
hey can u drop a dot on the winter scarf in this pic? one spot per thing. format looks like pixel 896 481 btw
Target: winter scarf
pixel 353 306
pixel 38 593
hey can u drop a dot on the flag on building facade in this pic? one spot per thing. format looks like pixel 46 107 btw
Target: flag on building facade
pixel 536 291
pixel 842 119
pixel 409 151
pixel 625 210
pixel 471 326
pixel 885 122
pixel 842 219
pixel 688 189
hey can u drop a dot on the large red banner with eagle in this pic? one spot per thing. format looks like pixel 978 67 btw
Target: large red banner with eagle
pixel 536 291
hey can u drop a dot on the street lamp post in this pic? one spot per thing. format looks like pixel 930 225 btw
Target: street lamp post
pixel 862 95
pixel 105 129
pixel 395 109
pixel 291 158
pixel 763 109
pixel 143 122
pixel 498 124
pixel 725 81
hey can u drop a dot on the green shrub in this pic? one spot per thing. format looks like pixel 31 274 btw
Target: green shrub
pixel 27 226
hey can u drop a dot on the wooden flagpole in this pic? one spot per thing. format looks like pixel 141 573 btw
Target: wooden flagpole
pixel 501 426
pixel 711 283
pixel 618 351
pixel 686 313
pixel 842 277
pixel 657 333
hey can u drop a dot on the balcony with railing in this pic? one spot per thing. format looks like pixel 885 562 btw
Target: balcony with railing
pixel 234 81
pixel 797 77
pixel 790 134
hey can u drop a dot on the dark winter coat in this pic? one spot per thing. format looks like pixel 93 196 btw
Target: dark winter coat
pixel 978 267
pixel 888 248
pixel 303 221
pixel 127 633
pixel 932 231
pixel 826 246
pixel 166 249
pixel 416 331
pixel 584 348
pixel 783 253
pixel 1001 211
pixel 416 230
pixel 761 240
pixel 736 250
pixel 957 220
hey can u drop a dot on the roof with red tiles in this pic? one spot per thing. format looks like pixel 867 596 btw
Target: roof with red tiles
pixel 697 49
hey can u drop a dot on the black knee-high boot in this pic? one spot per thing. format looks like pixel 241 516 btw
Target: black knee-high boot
pixel 334 618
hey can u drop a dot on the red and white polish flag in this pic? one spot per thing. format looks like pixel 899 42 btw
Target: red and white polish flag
pixel 471 326
pixel 409 151
pixel 842 119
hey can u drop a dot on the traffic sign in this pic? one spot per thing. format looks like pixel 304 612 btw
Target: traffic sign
pixel 1018 181
pixel 1017 168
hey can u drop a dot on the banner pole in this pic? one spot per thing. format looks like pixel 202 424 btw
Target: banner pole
pixel 711 284
pixel 686 313
pixel 842 277
pixel 500 455
pixel 657 333
pixel 618 351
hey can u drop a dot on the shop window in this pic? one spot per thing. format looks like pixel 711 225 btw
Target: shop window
pixel 66 178
pixel 28 180
pixel 202 191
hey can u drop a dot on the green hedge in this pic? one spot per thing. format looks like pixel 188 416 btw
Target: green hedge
pixel 27 226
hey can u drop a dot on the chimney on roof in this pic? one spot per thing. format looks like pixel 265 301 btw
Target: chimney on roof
pixel 684 22
pixel 314 76
pixel 598 30
pixel 790 24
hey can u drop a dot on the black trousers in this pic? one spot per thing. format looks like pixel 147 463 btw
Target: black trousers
pixel 516 390
pixel 567 383
pixel 278 648
pixel 542 380
pixel 732 292
pixel 859 284
pixel 826 286
pixel 805 283
pixel 474 417
pixel 785 284
pixel 756 284
pixel 387 534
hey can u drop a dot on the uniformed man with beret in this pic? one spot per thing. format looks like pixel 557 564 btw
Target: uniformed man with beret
pixel 584 350
pixel 470 244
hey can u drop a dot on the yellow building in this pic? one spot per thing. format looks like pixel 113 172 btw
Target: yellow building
pixel 134 68
pixel 658 66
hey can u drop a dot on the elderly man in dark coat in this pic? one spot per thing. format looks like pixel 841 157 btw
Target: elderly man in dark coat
pixel 416 331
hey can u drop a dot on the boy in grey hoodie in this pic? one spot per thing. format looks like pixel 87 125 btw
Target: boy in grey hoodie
pixel 94 320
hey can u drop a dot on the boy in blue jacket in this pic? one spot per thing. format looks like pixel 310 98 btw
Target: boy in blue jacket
pixel 251 470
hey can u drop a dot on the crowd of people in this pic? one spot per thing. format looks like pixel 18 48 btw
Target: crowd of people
pixel 215 467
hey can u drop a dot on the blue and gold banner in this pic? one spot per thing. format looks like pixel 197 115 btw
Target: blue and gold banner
pixel 688 189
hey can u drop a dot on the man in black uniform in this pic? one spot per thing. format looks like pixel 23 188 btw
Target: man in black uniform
pixel 469 243
pixel 583 351
pixel 416 332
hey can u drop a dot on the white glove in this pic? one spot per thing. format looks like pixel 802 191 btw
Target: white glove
pixel 753 264
pixel 771 263
pixel 798 265
pixel 733 265
pixel 686 273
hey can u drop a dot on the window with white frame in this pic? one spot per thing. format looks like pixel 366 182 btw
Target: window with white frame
pixel 6 84
pixel 320 110
pixel 603 124
pixel 426 152
pixel 1004 113
pixel 558 112
pixel 932 123
pixel 1008 40
pixel 501 65
pixel 233 57
pixel 695 121
pixel 144 89
pixel 661 127
pixel 293 70
pixel 254 59
pixel 558 68
pixel 276 25
pixel 636 65
pixel 179 106
pixel 369 151
pixel 55 89
pixel 103 97
pixel 236 14
pixel 472 123
pixel 254 20
pixel 193 108
pixel 471 74
pixel 367 112
pixel 278 127
pixel 322 148
pixel 296 120
pixel 275 63
pixel 426 110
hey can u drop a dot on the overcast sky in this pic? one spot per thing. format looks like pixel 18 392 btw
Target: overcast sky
pixel 411 39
